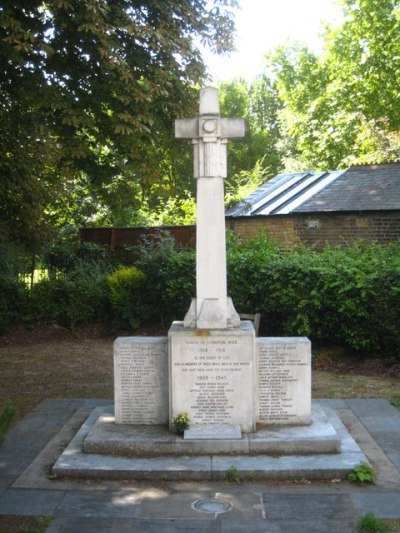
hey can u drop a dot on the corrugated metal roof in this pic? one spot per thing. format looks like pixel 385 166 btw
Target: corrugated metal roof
pixel 372 187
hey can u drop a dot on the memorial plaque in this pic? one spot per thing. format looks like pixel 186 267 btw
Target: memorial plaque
pixel 141 380
pixel 212 375
pixel 284 380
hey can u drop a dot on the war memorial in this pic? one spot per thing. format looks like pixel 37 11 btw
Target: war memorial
pixel 248 398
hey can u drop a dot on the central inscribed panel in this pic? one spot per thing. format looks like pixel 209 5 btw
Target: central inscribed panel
pixel 212 375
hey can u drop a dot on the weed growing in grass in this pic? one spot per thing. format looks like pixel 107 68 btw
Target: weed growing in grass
pixel 395 402
pixel 6 417
pixel 371 524
pixel 25 524
pixel 232 475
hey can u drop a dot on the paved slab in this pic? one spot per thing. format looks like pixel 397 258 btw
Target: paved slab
pixel 122 504
pixel 301 507
pixel 121 525
pixel 243 505
pixel 384 505
pixel 6 482
pixel 150 507
pixel 30 502
pixel 385 470
pixel 395 459
pixel 292 526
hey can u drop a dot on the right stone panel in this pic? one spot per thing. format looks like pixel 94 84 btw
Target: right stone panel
pixel 284 380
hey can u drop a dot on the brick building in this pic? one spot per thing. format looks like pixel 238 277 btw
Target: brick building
pixel 318 208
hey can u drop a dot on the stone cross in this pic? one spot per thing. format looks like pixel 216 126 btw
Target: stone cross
pixel 211 309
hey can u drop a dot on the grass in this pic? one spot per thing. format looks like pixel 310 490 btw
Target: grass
pixel 396 402
pixel 332 385
pixel 393 526
pixel 65 369
pixel 24 524
pixel 371 524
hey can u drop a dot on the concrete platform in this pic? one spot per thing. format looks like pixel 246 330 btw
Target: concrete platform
pixel 255 461
pixel 107 438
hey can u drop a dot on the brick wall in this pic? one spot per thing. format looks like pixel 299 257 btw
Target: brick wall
pixel 280 228
pixel 288 231
pixel 318 229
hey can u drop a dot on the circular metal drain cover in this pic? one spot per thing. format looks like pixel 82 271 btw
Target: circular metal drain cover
pixel 212 506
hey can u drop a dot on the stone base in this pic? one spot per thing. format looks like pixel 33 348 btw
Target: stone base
pixel 210 432
pixel 75 463
pixel 212 313
pixel 108 438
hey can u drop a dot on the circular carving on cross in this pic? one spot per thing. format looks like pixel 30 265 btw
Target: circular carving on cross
pixel 209 126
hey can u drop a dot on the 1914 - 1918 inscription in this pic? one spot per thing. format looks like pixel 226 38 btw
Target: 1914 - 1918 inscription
pixel 284 374
pixel 141 380
pixel 212 377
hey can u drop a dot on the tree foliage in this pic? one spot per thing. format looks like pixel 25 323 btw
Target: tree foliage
pixel 88 92
pixel 334 101
pixel 257 157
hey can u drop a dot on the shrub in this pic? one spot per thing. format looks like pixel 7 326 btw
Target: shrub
pixel 170 277
pixel 67 256
pixel 350 295
pixel 77 296
pixel 13 291
pixel 125 295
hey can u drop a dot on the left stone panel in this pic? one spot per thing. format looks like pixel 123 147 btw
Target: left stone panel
pixel 141 381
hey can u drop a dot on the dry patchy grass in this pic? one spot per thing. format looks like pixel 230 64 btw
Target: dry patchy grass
pixel 24 524
pixel 332 385
pixel 65 369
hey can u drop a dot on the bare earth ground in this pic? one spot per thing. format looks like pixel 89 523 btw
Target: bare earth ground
pixel 49 362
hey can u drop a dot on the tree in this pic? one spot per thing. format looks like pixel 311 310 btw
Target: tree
pixel 329 98
pixel 257 157
pixel 89 90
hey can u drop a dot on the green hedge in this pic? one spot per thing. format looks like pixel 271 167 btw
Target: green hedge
pixel 73 297
pixel 13 291
pixel 350 296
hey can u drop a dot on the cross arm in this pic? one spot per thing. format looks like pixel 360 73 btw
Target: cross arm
pixel 232 128
pixel 187 128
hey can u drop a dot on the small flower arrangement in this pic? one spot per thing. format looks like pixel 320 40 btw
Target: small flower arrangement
pixel 181 422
